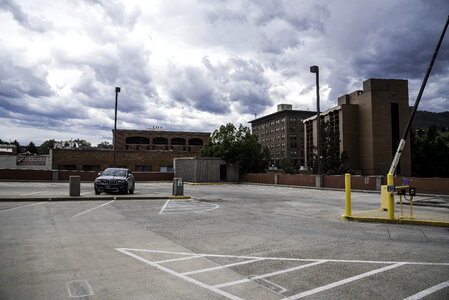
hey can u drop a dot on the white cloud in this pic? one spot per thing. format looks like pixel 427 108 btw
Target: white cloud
pixel 194 65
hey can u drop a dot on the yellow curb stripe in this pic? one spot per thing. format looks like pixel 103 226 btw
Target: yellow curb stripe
pixel 396 221
pixel 179 197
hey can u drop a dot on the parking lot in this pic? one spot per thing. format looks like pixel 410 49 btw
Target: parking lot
pixel 226 242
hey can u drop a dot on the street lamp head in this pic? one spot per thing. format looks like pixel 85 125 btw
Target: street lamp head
pixel 314 69
pixel 117 89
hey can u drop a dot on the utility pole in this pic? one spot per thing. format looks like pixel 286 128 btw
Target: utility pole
pixel 316 70
pixel 117 90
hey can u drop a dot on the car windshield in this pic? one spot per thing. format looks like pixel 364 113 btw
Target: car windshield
pixel 114 172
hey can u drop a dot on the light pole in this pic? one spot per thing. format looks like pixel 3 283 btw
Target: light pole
pixel 316 70
pixel 117 90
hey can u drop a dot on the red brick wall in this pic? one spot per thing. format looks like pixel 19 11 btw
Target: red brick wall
pixel 439 186
pixel 426 185
pixel 19 174
pixel 257 178
pixel 47 175
pixel 301 180
pixel 84 175
pixel 363 182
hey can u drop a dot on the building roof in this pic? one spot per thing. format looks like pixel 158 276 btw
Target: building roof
pixel 280 113
pixel 323 113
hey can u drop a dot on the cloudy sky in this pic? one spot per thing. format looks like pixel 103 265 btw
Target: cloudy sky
pixel 194 65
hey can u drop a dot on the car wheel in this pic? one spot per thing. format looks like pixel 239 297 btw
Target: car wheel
pixel 131 191
pixel 97 192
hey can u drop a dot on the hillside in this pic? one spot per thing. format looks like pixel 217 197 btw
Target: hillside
pixel 423 119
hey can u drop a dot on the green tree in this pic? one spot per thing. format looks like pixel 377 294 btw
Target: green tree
pixel 31 148
pixel 332 161
pixel 429 153
pixel 237 145
pixel 82 143
pixel 105 145
pixel 45 147
pixel 287 165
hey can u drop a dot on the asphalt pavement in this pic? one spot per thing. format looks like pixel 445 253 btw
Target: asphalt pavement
pixel 225 242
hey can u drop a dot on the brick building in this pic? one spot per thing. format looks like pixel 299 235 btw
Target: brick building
pixel 369 124
pixel 138 150
pixel 282 132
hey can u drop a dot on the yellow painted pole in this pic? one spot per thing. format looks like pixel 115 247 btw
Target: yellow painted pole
pixel 390 182
pixel 411 207
pixel 348 194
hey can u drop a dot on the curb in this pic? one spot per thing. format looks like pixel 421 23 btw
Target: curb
pixel 396 221
pixel 81 198
pixel 211 183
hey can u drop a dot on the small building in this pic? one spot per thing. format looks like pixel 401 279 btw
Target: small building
pixel 206 169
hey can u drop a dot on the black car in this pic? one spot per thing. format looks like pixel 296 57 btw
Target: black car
pixel 115 180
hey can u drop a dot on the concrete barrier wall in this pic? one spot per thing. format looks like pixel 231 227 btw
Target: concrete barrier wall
pixel 439 186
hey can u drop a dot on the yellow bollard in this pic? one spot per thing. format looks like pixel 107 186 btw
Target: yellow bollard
pixel 390 182
pixel 348 194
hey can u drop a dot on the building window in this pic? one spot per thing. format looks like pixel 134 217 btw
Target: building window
pixel 309 142
pixel 178 141
pixel 67 167
pixel 195 142
pixel 143 168
pixel 165 169
pixel 160 141
pixel 91 168
pixel 137 140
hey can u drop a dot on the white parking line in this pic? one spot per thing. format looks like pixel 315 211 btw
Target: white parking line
pixel 9 209
pixel 186 278
pixel 252 259
pixel 186 206
pixel 222 267
pixel 33 193
pixel 344 281
pixel 269 274
pixel 84 212
pixel 429 291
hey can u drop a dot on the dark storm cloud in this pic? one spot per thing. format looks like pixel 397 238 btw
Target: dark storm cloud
pixel 217 86
pixel 406 52
pixel 126 66
pixel 17 81
pixel 27 21
pixel 191 86
pixel 275 26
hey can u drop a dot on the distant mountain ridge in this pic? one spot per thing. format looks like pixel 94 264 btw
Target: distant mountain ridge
pixel 423 119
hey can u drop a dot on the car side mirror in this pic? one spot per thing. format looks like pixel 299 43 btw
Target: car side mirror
pixel 99 173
